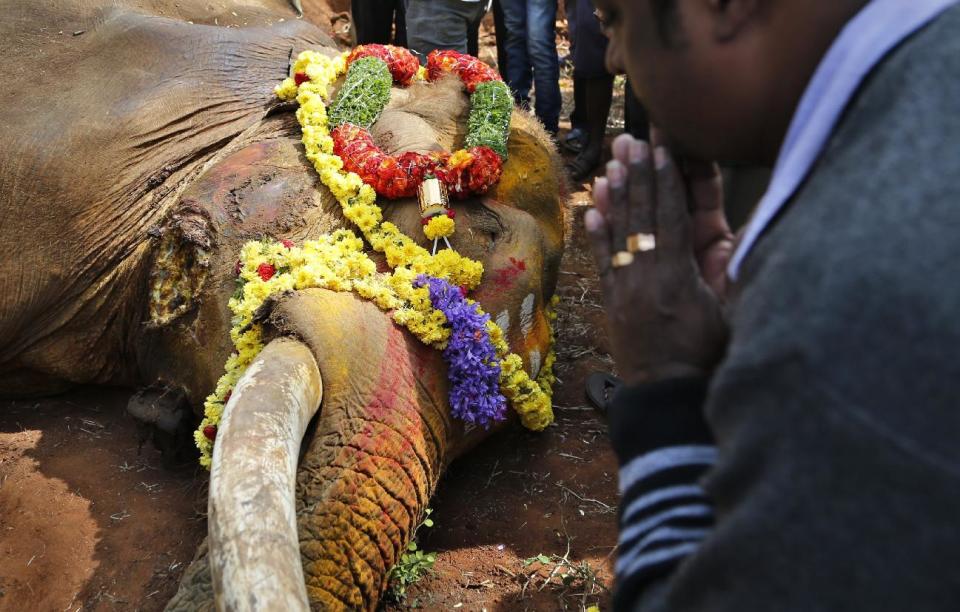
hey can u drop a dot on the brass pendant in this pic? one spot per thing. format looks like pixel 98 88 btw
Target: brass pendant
pixel 433 197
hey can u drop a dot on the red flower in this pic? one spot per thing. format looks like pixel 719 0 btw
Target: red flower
pixel 425 220
pixel 300 78
pixel 471 70
pixel 399 177
pixel 226 398
pixel 237 267
pixel 210 431
pixel 403 65
pixel 463 290
pixel 287 243
pixel 266 271
pixel 451 213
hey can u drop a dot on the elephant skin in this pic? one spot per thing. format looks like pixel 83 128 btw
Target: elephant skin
pixel 142 145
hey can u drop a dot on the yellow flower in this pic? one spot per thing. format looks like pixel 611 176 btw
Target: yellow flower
pixel 441 226
pixel 460 157
pixel 287 90
pixel 338 262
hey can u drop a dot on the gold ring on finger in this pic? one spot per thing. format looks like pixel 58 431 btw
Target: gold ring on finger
pixel 641 243
pixel 621 258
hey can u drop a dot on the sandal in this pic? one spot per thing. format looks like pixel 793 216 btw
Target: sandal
pixel 600 388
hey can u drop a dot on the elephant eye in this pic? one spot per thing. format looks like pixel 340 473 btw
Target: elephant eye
pixel 485 223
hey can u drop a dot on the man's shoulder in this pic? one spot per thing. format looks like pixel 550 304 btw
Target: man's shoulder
pixel 870 242
pixel 890 175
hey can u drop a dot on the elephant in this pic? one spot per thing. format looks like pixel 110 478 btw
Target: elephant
pixel 142 146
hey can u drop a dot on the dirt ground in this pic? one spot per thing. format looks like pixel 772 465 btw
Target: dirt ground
pixel 90 520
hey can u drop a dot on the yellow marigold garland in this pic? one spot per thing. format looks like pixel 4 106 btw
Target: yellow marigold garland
pixel 338 262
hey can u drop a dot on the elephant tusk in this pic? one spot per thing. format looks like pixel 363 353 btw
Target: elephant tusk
pixel 254 548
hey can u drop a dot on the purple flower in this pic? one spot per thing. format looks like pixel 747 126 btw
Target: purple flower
pixel 474 370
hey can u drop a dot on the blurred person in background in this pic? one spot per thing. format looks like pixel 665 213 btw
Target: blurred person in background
pixel 374 22
pixel 443 24
pixel 531 48
pixel 592 86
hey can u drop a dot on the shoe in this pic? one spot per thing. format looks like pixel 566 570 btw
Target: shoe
pixel 600 388
pixel 574 141
pixel 584 165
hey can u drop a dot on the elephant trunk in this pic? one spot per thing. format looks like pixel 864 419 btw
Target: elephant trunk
pixel 381 442
pixel 254 560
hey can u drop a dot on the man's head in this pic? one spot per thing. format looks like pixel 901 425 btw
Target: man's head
pixel 722 77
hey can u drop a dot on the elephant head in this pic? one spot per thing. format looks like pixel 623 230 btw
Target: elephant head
pixel 136 176
pixel 384 432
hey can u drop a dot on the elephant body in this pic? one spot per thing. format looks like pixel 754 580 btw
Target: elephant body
pixel 140 153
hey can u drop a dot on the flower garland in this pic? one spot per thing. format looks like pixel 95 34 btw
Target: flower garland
pixel 474 370
pixel 365 93
pixel 418 292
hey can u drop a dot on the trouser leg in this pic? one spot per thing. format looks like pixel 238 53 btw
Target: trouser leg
pixel 542 49
pixel 475 16
pixel 436 24
pixel 500 31
pixel 371 21
pixel 400 37
pixel 597 96
pixel 519 74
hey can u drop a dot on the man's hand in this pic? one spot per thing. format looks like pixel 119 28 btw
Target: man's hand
pixel 664 308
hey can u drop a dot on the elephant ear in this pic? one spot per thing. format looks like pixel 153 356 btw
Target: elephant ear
pixel 533 178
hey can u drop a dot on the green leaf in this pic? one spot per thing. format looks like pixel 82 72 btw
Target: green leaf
pixel 364 94
pixel 412 546
pixel 428 522
pixel 491 108
pixel 543 559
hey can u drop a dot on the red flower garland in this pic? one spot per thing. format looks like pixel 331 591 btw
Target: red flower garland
pixel 402 64
pixel 465 173
pixel 471 70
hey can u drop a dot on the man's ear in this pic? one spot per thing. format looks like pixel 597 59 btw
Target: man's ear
pixel 730 17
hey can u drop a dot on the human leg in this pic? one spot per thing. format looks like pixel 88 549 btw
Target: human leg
pixel 400 35
pixel 597 95
pixel 372 23
pixel 542 50
pixel 436 24
pixel 474 17
pixel 500 32
pixel 519 76
pixel 593 85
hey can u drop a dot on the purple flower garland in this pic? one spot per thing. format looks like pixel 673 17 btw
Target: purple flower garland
pixel 474 370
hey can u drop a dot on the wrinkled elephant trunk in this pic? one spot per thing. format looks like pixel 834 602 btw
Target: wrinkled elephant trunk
pixel 378 450
pixel 366 473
